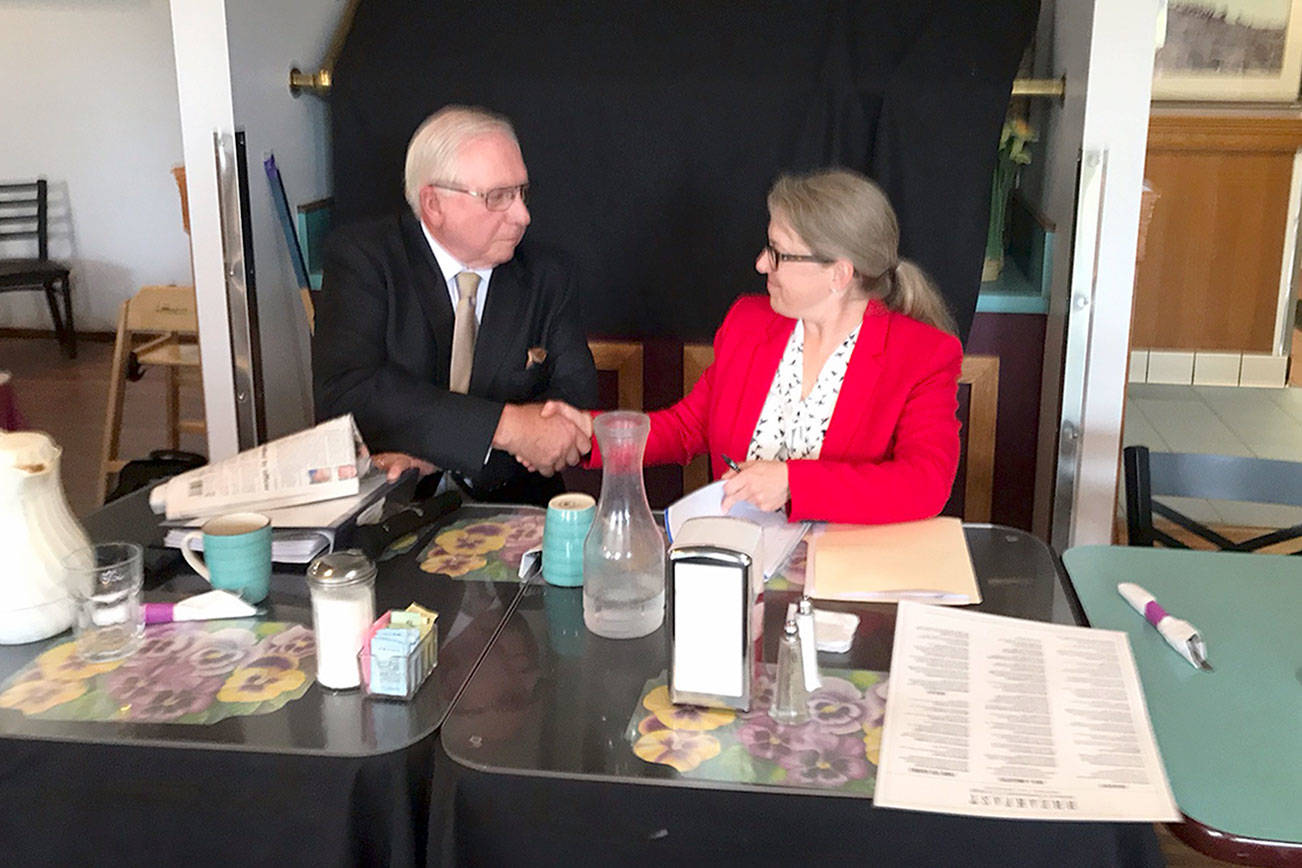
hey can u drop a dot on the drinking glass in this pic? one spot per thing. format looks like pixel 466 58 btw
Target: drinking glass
pixel 105 582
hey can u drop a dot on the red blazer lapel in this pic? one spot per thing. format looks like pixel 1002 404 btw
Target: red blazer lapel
pixel 861 376
pixel 753 380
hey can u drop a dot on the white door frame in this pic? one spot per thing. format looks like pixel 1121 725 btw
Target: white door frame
pixel 203 84
pixel 1088 332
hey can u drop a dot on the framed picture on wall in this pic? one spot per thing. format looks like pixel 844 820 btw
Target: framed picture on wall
pixel 1230 50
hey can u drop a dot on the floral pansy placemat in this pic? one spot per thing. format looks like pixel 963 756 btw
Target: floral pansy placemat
pixel 836 749
pixel 485 548
pixel 189 672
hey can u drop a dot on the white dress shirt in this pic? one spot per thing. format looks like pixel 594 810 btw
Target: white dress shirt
pixel 451 268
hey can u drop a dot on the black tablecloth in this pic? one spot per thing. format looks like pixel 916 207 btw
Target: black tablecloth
pixel 106 804
pixel 330 779
pixel 517 820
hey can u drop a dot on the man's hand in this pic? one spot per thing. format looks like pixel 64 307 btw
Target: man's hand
pixel 545 444
pixel 762 483
pixel 582 419
pixel 396 463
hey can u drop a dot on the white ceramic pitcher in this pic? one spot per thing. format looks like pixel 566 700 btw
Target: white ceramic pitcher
pixel 37 530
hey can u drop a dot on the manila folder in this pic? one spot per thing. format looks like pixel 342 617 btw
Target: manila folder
pixel 926 561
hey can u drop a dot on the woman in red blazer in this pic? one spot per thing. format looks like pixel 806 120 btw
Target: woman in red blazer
pixel 841 388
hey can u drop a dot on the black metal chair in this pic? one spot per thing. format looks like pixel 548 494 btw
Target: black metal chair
pixel 1210 477
pixel 23 214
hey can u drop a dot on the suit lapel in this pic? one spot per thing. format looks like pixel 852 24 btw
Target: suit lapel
pixel 761 368
pixel 430 286
pixel 861 376
pixel 500 326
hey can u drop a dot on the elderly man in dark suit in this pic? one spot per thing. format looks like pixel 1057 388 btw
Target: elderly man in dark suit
pixel 440 337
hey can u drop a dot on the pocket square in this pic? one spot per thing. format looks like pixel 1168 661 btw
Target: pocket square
pixel 536 356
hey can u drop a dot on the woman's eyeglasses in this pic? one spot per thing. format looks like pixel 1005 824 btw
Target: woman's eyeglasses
pixel 776 257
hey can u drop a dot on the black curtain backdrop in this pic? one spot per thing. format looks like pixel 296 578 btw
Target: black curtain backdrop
pixel 652 131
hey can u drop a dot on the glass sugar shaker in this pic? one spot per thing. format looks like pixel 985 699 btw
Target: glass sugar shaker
pixel 342 585
pixel 791 697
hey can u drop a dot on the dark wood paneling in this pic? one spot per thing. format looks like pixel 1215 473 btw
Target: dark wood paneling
pixel 1018 340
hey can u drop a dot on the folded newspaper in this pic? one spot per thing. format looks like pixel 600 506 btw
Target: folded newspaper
pixel 300 533
pixel 320 463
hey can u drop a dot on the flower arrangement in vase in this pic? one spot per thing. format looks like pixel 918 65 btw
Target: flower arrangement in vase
pixel 1013 154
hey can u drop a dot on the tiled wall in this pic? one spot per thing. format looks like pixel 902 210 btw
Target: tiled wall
pixel 1184 368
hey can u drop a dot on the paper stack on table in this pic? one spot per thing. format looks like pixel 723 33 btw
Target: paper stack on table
pixel 780 536
pixel 926 561
pixel 300 533
pixel 321 463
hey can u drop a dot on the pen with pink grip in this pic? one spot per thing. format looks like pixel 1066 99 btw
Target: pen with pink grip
pixel 1180 635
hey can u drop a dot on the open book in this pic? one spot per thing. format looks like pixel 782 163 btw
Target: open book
pixel 927 561
pixel 780 535
pixel 320 463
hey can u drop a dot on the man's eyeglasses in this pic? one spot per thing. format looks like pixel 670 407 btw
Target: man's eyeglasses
pixel 496 199
pixel 776 257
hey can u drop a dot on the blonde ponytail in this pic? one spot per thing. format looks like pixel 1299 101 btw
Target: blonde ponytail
pixel 910 291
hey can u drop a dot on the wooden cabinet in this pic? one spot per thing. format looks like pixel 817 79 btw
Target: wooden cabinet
pixel 1210 275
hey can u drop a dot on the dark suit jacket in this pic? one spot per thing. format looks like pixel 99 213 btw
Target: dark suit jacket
pixel 383 347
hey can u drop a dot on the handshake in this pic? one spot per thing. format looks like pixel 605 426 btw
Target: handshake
pixel 545 438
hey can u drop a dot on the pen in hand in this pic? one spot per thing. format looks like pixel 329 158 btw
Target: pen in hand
pixel 1180 635
pixel 733 465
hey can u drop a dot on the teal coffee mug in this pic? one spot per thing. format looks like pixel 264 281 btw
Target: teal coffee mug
pixel 236 554
pixel 568 518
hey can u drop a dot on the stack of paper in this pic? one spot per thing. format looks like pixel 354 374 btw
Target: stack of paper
pixel 916 560
pixel 780 536
pixel 303 532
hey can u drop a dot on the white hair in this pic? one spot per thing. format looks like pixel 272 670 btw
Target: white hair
pixel 432 152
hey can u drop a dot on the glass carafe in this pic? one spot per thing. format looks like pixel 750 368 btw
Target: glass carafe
pixel 624 553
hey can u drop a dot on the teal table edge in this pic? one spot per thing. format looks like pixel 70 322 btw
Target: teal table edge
pixel 1231 739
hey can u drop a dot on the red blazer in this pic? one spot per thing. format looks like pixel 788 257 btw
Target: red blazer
pixel 891 450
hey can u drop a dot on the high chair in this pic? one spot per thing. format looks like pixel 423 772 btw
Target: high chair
pixel 159 326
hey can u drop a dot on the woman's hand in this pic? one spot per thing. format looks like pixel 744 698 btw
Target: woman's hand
pixel 580 419
pixel 396 463
pixel 761 483
pixel 582 422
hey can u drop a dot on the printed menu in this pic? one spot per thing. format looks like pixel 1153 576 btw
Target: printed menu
pixel 1000 717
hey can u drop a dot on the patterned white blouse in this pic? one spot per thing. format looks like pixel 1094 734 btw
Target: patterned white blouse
pixel 789 427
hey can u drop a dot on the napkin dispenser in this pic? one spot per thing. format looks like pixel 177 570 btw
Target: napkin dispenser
pixel 715 571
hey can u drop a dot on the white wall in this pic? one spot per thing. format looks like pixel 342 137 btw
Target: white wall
pixel 265 40
pixel 88 99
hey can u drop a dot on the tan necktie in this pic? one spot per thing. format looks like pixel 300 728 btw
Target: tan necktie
pixel 463 333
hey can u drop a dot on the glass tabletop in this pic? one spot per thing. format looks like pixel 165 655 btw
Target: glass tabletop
pixel 320 721
pixel 550 698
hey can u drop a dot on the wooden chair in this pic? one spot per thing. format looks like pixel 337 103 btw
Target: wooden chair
pixel 624 359
pixel 24 212
pixel 309 309
pixel 696 358
pixel 159 326
pixel 980 373
pixel 1212 477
